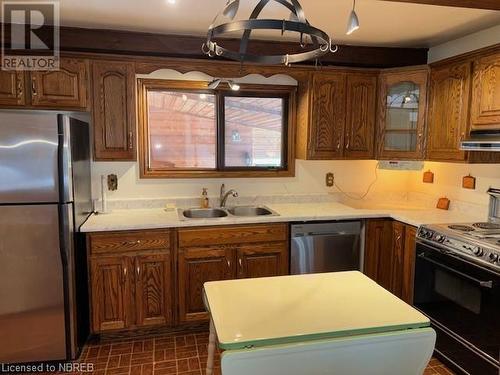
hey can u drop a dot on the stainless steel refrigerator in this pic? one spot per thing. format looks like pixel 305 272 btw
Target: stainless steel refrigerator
pixel 45 195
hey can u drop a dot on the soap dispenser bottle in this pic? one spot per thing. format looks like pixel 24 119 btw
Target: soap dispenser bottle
pixel 205 202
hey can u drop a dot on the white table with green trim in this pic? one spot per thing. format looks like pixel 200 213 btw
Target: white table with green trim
pixel 332 323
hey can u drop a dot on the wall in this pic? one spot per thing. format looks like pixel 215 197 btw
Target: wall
pixel 468 43
pixel 351 176
pixel 448 181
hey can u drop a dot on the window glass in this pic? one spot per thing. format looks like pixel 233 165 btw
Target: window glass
pixel 182 130
pixel 254 131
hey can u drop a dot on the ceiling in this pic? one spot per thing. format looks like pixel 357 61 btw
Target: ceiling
pixel 382 23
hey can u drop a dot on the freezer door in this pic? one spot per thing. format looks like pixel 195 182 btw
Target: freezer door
pixel 32 313
pixel 76 166
pixel 28 155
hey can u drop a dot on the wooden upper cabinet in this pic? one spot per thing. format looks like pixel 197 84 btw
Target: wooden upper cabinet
pixel 401 114
pixel 327 116
pixel 485 104
pixel 66 87
pixel 113 87
pixel 361 94
pixel 448 111
pixel 195 267
pixel 262 260
pixel 12 88
pixel 110 292
pixel 153 289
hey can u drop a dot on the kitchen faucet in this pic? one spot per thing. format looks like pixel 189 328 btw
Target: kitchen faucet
pixel 224 195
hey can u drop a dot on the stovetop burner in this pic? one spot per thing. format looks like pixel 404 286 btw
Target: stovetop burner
pixel 486 225
pixel 462 228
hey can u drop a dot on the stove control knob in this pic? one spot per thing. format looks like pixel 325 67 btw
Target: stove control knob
pixel 440 238
pixel 476 250
pixel 494 258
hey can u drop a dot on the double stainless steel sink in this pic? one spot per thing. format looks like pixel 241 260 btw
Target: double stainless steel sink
pixel 214 213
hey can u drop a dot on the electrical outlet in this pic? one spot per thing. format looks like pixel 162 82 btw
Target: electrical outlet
pixel 329 179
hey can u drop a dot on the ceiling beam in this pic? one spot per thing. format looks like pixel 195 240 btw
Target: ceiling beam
pixel 476 4
pixel 102 41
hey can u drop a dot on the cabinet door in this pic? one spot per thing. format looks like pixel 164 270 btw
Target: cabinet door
pixel 398 248
pixel 378 252
pixel 448 111
pixel 63 88
pixel 485 106
pixel 328 116
pixel 263 260
pixel 409 264
pixel 12 91
pixel 401 119
pixel 153 289
pixel 360 116
pixel 114 110
pixel 110 293
pixel 195 267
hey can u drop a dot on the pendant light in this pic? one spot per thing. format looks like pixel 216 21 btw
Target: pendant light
pixel 353 23
pixel 314 42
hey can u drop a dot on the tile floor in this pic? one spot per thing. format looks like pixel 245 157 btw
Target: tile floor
pixel 182 353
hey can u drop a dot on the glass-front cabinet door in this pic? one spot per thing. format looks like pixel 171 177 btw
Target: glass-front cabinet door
pixel 402 101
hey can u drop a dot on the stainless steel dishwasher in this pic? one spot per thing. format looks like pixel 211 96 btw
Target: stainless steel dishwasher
pixel 326 247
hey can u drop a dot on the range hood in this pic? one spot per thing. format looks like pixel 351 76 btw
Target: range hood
pixel 482 140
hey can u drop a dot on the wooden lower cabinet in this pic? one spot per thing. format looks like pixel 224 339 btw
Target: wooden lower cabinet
pixel 378 260
pixel 130 287
pixel 263 260
pixel 153 294
pixel 110 293
pixel 390 256
pixel 197 266
pixel 223 253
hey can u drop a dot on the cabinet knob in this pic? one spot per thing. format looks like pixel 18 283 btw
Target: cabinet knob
pixel 228 263
pixel 33 87
pixel 130 140
pixel 240 262
pixel 138 269
pixel 125 270
pixel 19 88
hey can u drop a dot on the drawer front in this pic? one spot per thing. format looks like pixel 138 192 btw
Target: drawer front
pixel 128 241
pixel 233 235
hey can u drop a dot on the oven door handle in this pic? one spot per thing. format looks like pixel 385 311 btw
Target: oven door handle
pixel 481 283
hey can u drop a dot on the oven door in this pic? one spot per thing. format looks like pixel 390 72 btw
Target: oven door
pixel 462 300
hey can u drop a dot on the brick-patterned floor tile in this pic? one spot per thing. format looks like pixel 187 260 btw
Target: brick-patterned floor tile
pixel 171 354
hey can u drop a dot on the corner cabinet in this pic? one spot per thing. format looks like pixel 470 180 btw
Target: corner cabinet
pixel 485 105
pixel 390 256
pixel 448 111
pixel 113 89
pixel 223 253
pixel 131 280
pixel 401 114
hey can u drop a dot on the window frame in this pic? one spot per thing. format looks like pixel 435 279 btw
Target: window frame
pixel 288 93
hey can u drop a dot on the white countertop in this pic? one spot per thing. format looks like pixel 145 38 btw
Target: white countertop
pixel 277 310
pixel 155 218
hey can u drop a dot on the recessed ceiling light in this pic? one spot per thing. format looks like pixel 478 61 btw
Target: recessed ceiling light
pixel 172 2
pixel 158 146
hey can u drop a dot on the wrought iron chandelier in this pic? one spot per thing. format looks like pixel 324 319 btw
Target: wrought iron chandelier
pixel 320 43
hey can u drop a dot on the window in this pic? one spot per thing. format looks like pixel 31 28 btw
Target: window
pixel 187 130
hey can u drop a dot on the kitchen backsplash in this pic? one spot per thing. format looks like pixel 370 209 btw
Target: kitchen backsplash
pixel 353 177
